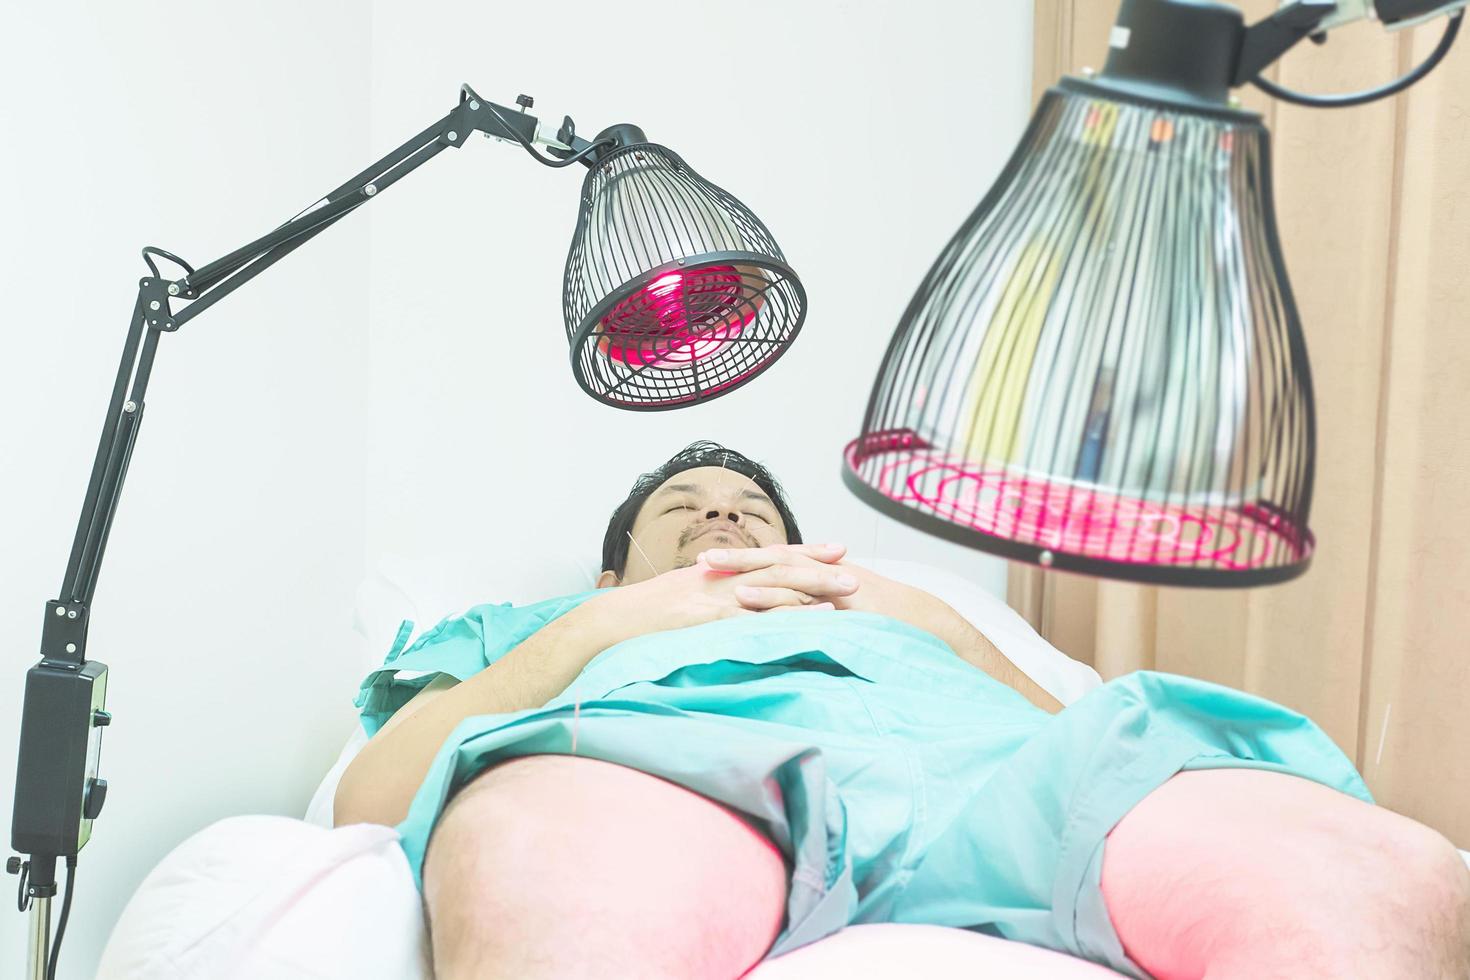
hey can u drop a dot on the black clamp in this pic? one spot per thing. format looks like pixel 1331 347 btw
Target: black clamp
pixel 475 113
pixel 1267 40
pixel 64 634
pixel 14 865
pixel 26 889
pixel 154 294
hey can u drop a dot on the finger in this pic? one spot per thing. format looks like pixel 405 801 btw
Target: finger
pixel 749 559
pixel 811 550
pixel 762 597
pixel 738 559
pixel 815 580
pixel 814 607
pixel 829 553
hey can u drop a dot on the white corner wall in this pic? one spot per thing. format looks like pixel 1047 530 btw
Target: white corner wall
pixel 400 385
pixel 223 606
pixel 862 133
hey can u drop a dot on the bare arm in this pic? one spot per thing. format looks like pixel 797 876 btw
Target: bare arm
pixel 380 783
pixel 974 648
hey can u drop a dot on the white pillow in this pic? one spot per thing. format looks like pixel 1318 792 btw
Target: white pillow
pixel 426 588
pixel 319 810
pixel 270 898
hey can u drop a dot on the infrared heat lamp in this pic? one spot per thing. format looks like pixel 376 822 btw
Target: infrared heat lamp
pixel 1104 371
pixel 674 294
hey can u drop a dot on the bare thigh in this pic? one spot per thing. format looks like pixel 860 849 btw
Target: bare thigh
pixel 1224 873
pixel 564 866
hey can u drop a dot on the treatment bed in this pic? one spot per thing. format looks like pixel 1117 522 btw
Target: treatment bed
pixel 271 896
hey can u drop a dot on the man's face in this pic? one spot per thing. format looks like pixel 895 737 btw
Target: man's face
pixel 693 511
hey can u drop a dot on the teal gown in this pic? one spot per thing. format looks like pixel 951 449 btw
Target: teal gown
pixel 900 783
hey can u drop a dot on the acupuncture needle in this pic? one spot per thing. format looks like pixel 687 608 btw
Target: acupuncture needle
pixel 642 552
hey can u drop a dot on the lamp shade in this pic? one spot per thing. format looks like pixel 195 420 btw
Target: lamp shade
pixel 1104 370
pixel 674 292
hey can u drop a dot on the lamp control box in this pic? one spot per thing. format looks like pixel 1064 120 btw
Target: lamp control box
pixel 57 792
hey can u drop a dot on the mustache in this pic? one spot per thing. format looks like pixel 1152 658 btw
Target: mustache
pixel 694 531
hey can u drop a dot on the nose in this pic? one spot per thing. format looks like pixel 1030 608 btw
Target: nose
pixel 713 514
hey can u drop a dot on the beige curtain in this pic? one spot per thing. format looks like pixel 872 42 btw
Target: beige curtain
pixel 1373 643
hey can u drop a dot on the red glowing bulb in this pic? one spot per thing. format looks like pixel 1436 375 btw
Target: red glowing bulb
pixel 679 317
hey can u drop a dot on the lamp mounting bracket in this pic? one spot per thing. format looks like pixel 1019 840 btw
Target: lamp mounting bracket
pixel 1267 40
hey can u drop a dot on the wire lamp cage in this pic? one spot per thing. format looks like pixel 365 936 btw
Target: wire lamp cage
pixel 1104 371
pixel 674 291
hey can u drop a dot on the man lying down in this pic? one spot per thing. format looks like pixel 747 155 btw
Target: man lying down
pixel 740 743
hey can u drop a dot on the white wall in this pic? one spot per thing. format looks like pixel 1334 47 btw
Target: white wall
pixel 400 385
pixel 862 133
pixel 223 605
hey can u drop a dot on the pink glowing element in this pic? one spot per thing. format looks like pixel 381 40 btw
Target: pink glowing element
pixel 679 318
pixel 1071 518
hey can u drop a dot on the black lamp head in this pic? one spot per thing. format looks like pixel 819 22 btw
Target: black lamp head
pixel 675 292
pixel 1104 371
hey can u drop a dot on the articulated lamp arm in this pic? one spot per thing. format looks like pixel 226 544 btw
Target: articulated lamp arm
pixel 57 792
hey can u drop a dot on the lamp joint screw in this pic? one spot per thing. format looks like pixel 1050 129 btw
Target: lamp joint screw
pixel 1047 558
pixel 71 648
pixel 370 190
pixel 474 106
pixel 71 614
pixel 129 407
pixel 453 136
pixel 153 305
pixel 173 289
pixel 61 610
pixel 525 102
pixel 681 261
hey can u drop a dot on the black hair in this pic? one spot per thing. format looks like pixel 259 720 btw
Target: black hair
pixel 696 454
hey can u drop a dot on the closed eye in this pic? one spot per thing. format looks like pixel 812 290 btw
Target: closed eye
pixel 762 517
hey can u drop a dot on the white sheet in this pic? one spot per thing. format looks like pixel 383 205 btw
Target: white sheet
pixel 262 898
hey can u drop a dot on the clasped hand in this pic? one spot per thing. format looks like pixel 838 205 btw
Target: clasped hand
pixel 743 581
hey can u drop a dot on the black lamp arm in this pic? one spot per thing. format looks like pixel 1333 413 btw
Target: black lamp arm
pixel 57 793
pixel 471 115
pixel 202 288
